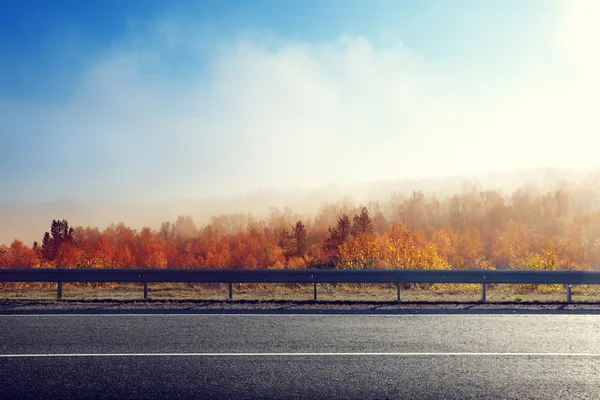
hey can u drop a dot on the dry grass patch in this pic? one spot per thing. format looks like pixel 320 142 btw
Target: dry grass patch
pixel 302 292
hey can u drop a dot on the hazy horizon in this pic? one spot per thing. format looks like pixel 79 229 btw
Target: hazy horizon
pixel 27 221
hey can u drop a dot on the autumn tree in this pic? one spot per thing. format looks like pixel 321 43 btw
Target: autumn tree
pixel 20 256
pixel 299 239
pixel 514 244
pixel 60 233
pixel 166 231
pixel 102 254
pixel 184 228
pixel 285 242
pixel 402 249
pixel 68 256
pixel 360 252
pixel 218 254
pixel 362 223
pixel 337 237
pixel 415 211
pixel 85 237
pixel 122 239
pixel 149 252
pixel 360 249
pixel 467 248
pixel 380 223
pixel 3 256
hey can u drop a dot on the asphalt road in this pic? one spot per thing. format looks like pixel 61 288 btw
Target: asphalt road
pixel 300 356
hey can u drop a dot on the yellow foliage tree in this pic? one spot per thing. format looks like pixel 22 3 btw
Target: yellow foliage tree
pixel 403 250
pixel 296 263
pixel 546 261
pixel 360 252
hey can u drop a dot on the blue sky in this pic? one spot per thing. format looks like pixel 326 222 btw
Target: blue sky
pixel 46 45
pixel 153 99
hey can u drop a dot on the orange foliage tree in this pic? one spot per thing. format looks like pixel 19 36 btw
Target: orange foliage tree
pixel 18 256
pixel 470 229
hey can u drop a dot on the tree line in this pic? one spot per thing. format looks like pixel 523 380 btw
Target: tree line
pixel 476 229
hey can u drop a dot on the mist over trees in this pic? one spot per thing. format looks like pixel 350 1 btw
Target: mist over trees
pixel 474 229
pixel 25 220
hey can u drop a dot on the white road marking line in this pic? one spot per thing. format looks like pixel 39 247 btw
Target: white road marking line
pixel 515 313
pixel 400 354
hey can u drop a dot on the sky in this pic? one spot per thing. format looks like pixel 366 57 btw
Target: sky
pixel 152 100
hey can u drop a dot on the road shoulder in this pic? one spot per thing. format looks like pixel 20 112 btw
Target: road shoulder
pixel 291 307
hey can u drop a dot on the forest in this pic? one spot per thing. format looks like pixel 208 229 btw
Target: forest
pixel 476 229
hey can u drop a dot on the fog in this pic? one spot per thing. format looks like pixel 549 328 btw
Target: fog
pixel 257 112
pixel 27 221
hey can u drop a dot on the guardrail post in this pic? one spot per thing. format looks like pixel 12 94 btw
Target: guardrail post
pixel 230 291
pixel 315 290
pixel 483 292
pixel 59 291
pixel 145 290
pixel 398 291
pixel 568 293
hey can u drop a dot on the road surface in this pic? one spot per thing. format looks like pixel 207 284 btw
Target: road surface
pixel 299 356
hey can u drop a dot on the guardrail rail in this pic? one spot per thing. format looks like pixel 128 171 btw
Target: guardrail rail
pixel 310 276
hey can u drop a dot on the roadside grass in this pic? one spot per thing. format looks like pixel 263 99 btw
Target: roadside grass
pixel 300 292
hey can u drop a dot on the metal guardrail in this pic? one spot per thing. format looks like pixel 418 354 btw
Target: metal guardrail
pixel 314 276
